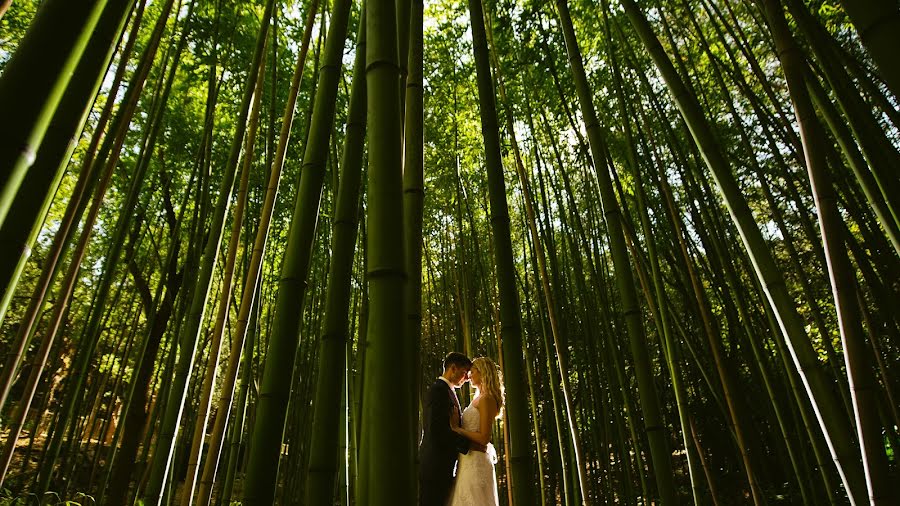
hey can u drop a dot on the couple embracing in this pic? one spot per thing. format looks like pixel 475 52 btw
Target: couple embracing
pixel 453 436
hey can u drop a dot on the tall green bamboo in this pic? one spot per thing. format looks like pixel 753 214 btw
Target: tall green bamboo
pixel 413 109
pixel 33 83
pixel 72 214
pixel 51 332
pixel 735 414
pixel 49 167
pixel 275 388
pixel 134 413
pixel 833 422
pixel 726 379
pixel 567 486
pixel 59 142
pixel 237 429
pixel 225 294
pixel 662 315
pixel 883 157
pixel 533 399
pixel 519 450
pixel 21 410
pixel 556 429
pixel 854 159
pixel 385 342
pixel 190 330
pixel 134 425
pixel 878 25
pixel 322 469
pixel 249 298
pixel 625 282
pixel 148 143
pixel 548 293
pixel 841 274
pixel 704 295
pixel 103 166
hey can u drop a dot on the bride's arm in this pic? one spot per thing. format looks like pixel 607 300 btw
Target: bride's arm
pixel 487 411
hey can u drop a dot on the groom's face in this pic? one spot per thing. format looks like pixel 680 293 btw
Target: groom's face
pixel 459 376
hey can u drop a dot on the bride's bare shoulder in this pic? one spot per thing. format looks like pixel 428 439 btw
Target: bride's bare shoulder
pixel 488 401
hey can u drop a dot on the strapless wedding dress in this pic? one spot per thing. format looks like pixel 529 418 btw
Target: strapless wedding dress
pixel 476 482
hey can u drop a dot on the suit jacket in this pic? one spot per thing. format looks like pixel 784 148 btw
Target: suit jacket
pixel 440 445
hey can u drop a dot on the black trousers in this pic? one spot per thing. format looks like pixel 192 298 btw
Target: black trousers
pixel 434 485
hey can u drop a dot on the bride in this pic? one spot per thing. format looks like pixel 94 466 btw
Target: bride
pixel 476 482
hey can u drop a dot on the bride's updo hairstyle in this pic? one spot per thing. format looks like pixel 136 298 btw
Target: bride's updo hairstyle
pixel 491 380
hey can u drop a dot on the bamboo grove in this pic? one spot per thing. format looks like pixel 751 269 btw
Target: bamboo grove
pixel 237 239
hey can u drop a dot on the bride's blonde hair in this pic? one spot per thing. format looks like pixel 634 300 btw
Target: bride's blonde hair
pixel 491 381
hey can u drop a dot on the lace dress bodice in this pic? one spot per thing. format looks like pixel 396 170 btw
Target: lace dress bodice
pixel 476 483
pixel 471 419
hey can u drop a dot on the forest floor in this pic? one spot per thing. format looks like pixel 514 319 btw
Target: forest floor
pixel 26 461
pixel 85 469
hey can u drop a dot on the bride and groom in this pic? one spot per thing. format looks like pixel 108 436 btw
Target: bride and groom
pixel 453 436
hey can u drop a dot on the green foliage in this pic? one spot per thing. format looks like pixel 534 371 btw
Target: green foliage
pixel 723 49
pixel 7 498
pixel 13 26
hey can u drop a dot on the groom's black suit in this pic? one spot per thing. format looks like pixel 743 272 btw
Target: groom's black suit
pixel 437 452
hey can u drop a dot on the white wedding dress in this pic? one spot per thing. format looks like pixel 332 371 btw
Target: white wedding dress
pixel 476 483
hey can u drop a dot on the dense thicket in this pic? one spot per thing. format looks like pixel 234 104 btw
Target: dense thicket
pixel 237 239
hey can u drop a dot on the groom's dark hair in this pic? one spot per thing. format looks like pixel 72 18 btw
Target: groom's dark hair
pixel 456 358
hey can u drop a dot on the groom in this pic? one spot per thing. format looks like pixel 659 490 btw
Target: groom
pixel 440 445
